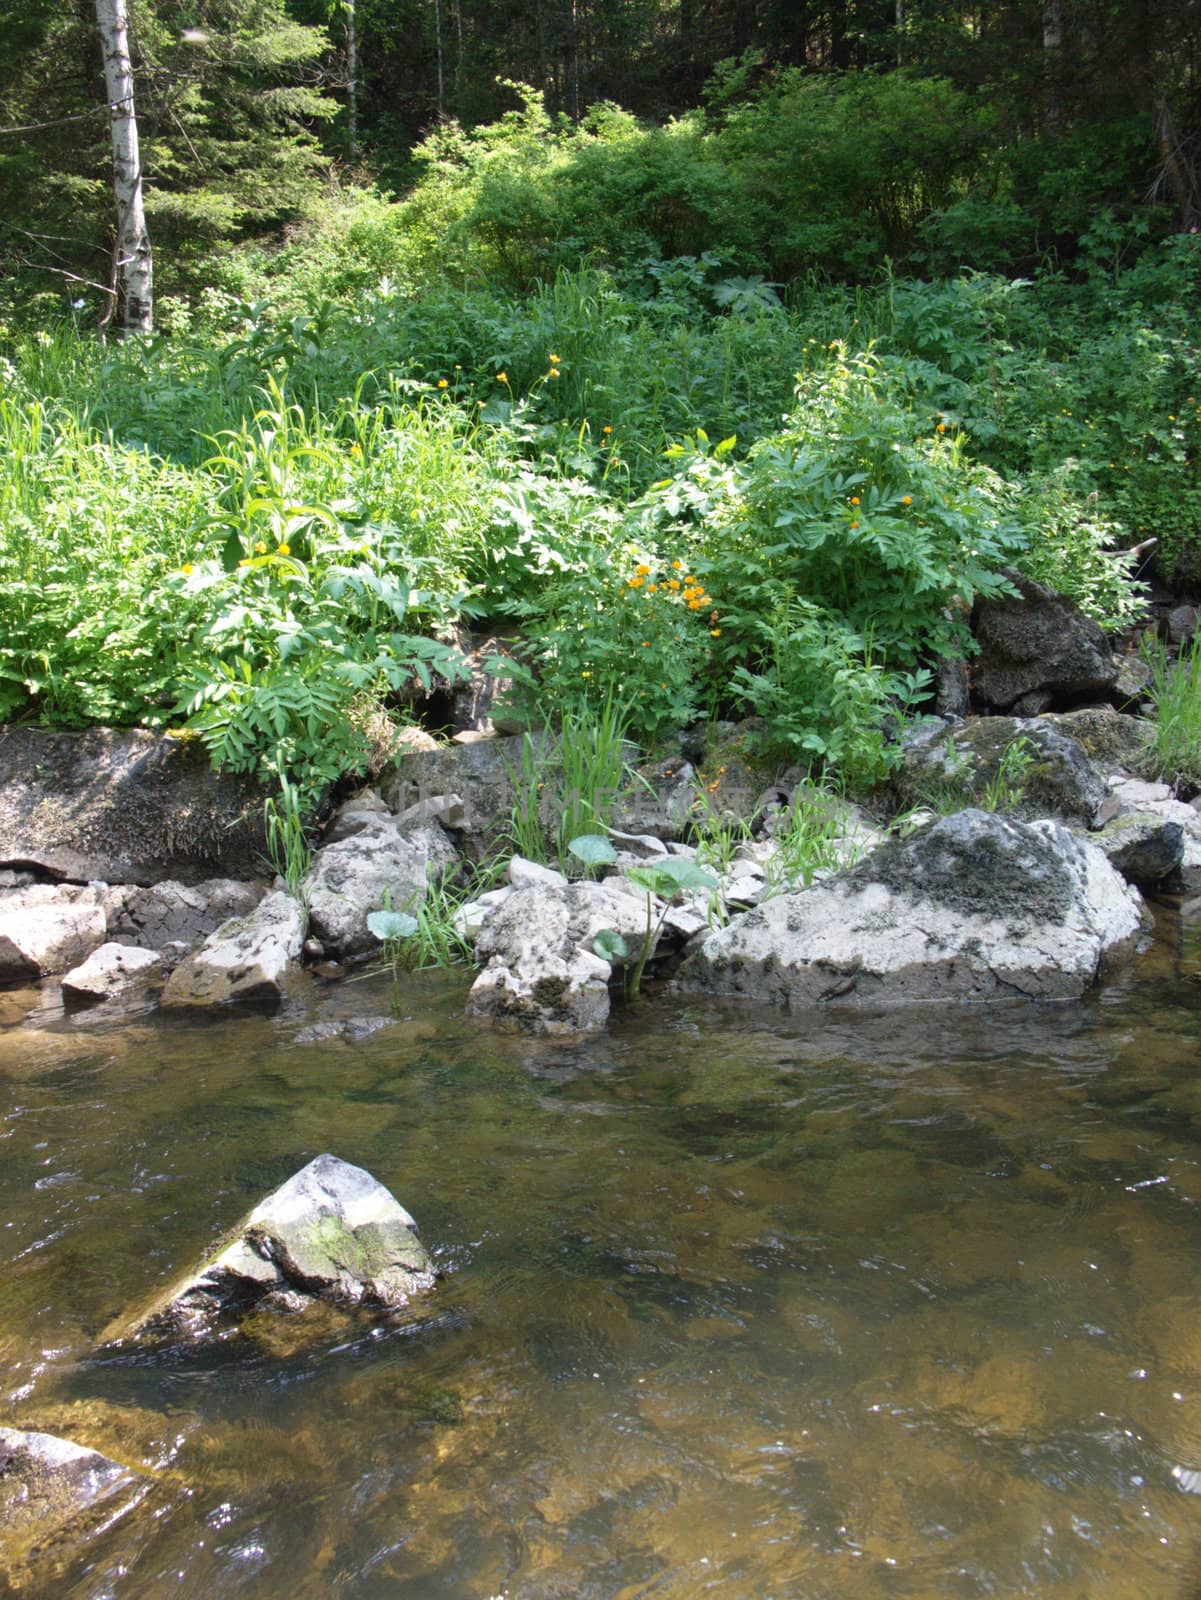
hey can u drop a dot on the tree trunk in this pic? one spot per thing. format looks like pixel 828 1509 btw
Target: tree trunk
pixel 133 263
pixel 352 79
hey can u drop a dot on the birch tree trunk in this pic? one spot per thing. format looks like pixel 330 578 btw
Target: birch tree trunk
pixel 352 77
pixel 133 264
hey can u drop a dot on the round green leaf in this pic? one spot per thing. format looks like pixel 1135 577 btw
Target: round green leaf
pixel 387 925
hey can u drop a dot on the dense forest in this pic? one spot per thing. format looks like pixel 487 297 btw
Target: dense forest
pixel 723 352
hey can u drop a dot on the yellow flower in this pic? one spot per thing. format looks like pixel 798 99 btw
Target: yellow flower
pixel 646 644
pixel 942 428
pixel 554 372
pixel 356 449
pixel 186 569
pixel 715 633
pixel 854 499
pixel 635 583
pixel 260 548
pixel 695 605
pixel 906 499
pixel 673 584
pixel 652 588
pixel 606 428
pixel 854 524
pixel 642 569
pixel 285 550
pixel 553 359
pixel 442 384
pixel 502 377
pixel 676 566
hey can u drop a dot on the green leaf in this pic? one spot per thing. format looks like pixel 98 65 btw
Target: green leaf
pixel 387 925
pixel 667 878
pixel 609 945
pixel 593 849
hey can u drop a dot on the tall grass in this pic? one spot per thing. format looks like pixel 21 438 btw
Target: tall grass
pixel 1176 693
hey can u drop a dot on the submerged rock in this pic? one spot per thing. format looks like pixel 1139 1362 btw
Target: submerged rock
pixel 332 1232
pixel 974 907
pixel 51 1489
pixel 246 958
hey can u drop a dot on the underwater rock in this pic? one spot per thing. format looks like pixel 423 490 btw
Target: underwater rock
pixel 52 1490
pixel 331 1232
pixel 976 906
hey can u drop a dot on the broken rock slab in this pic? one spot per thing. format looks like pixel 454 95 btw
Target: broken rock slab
pixel 36 940
pixel 974 907
pixel 113 972
pixel 246 958
pixel 331 1232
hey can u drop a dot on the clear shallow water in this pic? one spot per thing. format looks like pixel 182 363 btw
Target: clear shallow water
pixel 736 1304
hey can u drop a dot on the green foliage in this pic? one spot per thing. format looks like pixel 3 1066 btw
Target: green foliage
pixel 1176 692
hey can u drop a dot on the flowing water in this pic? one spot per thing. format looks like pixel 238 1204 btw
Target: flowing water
pixel 736 1304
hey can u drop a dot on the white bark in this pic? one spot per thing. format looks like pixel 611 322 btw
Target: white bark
pixel 133 262
pixel 352 73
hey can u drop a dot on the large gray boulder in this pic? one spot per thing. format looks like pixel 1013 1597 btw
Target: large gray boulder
pixel 50 1487
pixel 377 865
pixel 542 972
pixel 486 775
pixel 247 958
pixel 1021 765
pixel 1038 647
pixel 974 907
pixel 124 806
pixel 331 1232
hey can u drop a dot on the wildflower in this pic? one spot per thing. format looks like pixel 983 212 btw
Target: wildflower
pixel 636 583
pixel 673 584
pixel 554 372
pixel 695 605
pixel 458 366
pixel 186 569
pixel 285 550
pixel 715 633
pixel 854 524
pixel 553 359
pixel 646 644
pixel 942 428
pixel 356 449
pixel 585 674
pixel 906 499
pixel 854 499
pixel 642 569
pixel 606 428
pixel 502 377
pixel 652 588
pixel 442 383
pixel 260 548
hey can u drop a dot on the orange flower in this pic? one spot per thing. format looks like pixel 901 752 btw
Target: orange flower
pixel 906 499
pixel 854 499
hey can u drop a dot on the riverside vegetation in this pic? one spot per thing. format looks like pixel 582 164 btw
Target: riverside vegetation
pixel 685 491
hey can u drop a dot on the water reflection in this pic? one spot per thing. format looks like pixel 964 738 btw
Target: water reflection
pixel 736 1304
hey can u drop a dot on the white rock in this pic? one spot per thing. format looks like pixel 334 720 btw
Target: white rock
pixel 41 939
pixel 523 874
pixel 111 971
pixel 246 958
pixel 975 907
pixel 377 866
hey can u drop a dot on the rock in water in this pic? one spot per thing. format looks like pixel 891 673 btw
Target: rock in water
pixel 975 907
pixel 246 958
pixel 330 1233
pixel 49 1486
